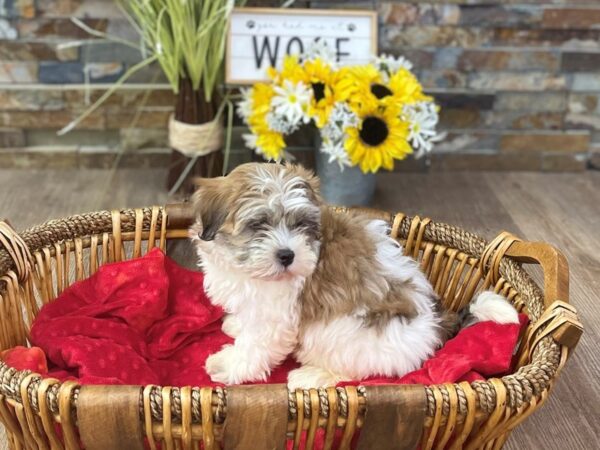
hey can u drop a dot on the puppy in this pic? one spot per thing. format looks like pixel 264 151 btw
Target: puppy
pixel 296 278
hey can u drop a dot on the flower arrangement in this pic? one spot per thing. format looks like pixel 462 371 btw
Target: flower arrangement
pixel 367 115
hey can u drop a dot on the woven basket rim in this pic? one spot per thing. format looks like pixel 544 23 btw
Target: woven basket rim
pixel 529 380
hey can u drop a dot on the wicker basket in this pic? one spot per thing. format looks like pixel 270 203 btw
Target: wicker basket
pixel 38 264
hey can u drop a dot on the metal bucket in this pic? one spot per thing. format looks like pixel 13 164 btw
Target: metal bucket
pixel 347 187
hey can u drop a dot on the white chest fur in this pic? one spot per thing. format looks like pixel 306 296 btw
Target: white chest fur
pixel 242 295
pixel 268 315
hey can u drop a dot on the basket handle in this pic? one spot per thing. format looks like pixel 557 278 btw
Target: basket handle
pixel 553 263
pixel 565 327
pixel 17 249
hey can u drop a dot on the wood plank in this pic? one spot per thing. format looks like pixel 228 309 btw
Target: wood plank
pixel 34 196
pixel 462 199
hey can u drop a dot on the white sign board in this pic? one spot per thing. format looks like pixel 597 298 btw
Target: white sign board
pixel 260 37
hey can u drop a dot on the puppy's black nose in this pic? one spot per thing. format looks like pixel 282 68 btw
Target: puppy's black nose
pixel 285 257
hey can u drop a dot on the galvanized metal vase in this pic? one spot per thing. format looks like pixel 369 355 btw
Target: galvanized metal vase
pixel 347 187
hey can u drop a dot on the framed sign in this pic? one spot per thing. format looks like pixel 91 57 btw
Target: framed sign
pixel 259 38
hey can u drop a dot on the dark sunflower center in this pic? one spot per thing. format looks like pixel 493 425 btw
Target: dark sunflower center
pixel 380 91
pixel 374 131
pixel 318 91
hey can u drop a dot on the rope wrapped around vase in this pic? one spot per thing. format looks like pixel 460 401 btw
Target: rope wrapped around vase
pixel 194 141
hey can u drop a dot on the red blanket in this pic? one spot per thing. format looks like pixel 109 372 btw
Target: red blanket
pixel 148 321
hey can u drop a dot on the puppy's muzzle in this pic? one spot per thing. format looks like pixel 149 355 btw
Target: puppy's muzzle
pixel 285 257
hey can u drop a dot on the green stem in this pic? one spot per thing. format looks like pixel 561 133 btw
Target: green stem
pixel 132 70
pixel 102 35
pixel 227 149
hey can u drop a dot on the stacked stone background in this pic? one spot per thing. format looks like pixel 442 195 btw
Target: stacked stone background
pixel 518 83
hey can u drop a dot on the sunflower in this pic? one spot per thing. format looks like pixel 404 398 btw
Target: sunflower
pixel 404 88
pixel 260 101
pixel 354 82
pixel 268 142
pixel 321 77
pixel 291 70
pixel 380 137
pixel 370 87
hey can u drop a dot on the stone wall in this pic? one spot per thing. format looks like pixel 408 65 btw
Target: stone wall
pixel 518 82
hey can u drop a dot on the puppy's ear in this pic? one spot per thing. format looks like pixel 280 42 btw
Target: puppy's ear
pixel 313 183
pixel 210 205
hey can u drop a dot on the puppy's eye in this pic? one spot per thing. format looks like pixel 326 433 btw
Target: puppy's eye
pixel 257 224
pixel 304 223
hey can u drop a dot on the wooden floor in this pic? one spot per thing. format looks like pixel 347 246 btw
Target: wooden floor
pixel 563 209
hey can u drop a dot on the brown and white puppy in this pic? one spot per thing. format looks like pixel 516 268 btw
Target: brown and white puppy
pixel 296 278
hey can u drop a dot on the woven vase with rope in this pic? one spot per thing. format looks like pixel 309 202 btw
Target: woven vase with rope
pixel 38 264
pixel 195 137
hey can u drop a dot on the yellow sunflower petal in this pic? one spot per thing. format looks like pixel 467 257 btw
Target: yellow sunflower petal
pixel 364 165
pixel 388 162
pixel 405 87
pixel 292 70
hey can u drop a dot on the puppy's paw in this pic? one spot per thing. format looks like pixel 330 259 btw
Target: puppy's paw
pixel 307 377
pixel 232 366
pixel 220 366
pixel 232 326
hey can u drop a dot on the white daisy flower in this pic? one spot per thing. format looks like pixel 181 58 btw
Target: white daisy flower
pixel 291 101
pixel 336 151
pixel 280 124
pixel 319 49
pixel 343 116
pixel 340 118
pixel 244 106
pixel 250 140
pixel 422 119
pixel 332 131
pixel 389 65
